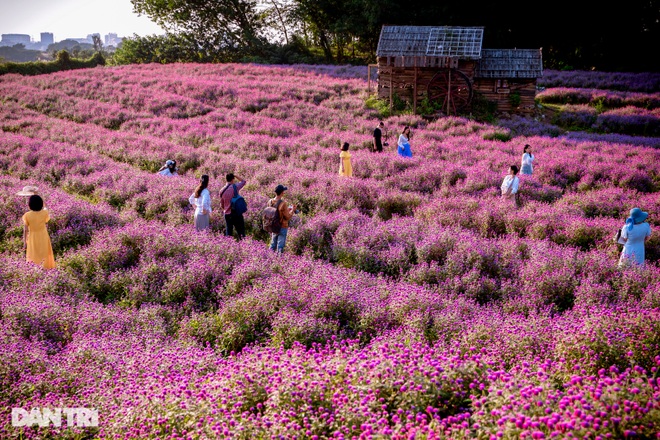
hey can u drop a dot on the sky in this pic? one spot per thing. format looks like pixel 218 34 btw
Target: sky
pixel 73 18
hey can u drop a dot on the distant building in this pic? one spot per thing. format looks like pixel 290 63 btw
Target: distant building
pixel 47 38
pixel 13 39
pixel 112 39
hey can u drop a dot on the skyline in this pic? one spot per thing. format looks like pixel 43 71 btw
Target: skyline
pixel 73 18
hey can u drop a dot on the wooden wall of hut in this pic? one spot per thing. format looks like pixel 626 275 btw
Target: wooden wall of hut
pixel 403 79
pixel 505 92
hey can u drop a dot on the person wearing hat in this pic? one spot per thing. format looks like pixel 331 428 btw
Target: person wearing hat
pixel 38 248
pixel 28 191
pixel 169 169
pixel 634 233
pixel 277 241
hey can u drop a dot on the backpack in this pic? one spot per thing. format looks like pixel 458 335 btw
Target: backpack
pixel 271 218
pixel 238 203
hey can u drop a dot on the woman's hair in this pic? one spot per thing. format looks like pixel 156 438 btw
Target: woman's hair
pixel 36 203
pixel 407 127
pixel 525 149
pixel 514 168
pixel 344 147
pixel 203 183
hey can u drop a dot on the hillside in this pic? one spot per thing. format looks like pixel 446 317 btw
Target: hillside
pixel 410 302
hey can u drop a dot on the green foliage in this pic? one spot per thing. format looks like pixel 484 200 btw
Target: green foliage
pixel 498 135
pixel 221 30
pixel 380 105
pixel 428 107
pixel 514 99
pixel 403 205
pixel 62 62
pixel 482 109
pixel 160 49
pixel 18 53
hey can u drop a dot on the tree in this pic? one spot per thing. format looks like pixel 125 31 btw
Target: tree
pixel 161 49
pixel 223 29
pixel 98 45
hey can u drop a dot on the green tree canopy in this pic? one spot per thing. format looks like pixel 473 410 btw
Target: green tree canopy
pixel 221 29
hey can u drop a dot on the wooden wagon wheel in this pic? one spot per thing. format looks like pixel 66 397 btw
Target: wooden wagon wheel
pixel 451 88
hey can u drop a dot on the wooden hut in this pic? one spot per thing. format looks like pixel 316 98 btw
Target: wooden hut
pixel 446 64
pixel 508 77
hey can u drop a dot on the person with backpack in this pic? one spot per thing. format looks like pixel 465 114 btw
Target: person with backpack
pixel 233 206
pixel 276 221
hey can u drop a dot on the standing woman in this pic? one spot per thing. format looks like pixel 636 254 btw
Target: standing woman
pixel 526 161
pixel 38 248
pixel 635 233
pixel 201 200
pixel 510 185
pixel 404 144
pixel 345 167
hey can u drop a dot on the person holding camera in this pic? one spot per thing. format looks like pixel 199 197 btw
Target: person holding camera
pixel 285 211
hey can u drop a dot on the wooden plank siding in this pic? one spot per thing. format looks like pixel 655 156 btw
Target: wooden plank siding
pixel 403 80
pixel 492 89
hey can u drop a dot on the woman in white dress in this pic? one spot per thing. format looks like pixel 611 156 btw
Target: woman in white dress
pixel 526 161
pixel 634 233
pixel 201 200
pixel 510 185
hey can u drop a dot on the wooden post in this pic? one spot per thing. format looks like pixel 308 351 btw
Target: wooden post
pixel 415 89
pixel 391 87
pixel 369 77
pixel 448 91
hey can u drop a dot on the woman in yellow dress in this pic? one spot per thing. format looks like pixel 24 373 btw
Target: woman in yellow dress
pixel 35 235
pixel 345 167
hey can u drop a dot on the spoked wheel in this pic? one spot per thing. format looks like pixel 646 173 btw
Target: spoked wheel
pixel 451 88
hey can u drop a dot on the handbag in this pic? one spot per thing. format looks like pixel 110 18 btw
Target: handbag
pixel 618 238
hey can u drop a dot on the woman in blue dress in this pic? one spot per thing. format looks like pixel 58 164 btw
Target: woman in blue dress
pixel 404 144
pixel 635 233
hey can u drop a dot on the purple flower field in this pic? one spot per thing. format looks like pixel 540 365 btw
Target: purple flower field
pixel 411 302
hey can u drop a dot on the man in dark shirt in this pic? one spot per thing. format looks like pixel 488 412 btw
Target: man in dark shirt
pixel 378 134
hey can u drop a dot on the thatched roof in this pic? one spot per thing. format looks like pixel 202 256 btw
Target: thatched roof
pixel 510 63
pixel 436 41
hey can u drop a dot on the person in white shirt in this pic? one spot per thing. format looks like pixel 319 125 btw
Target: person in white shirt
pixel 201 200
pixel 526 161
pixel 169 169
pixel 510 185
